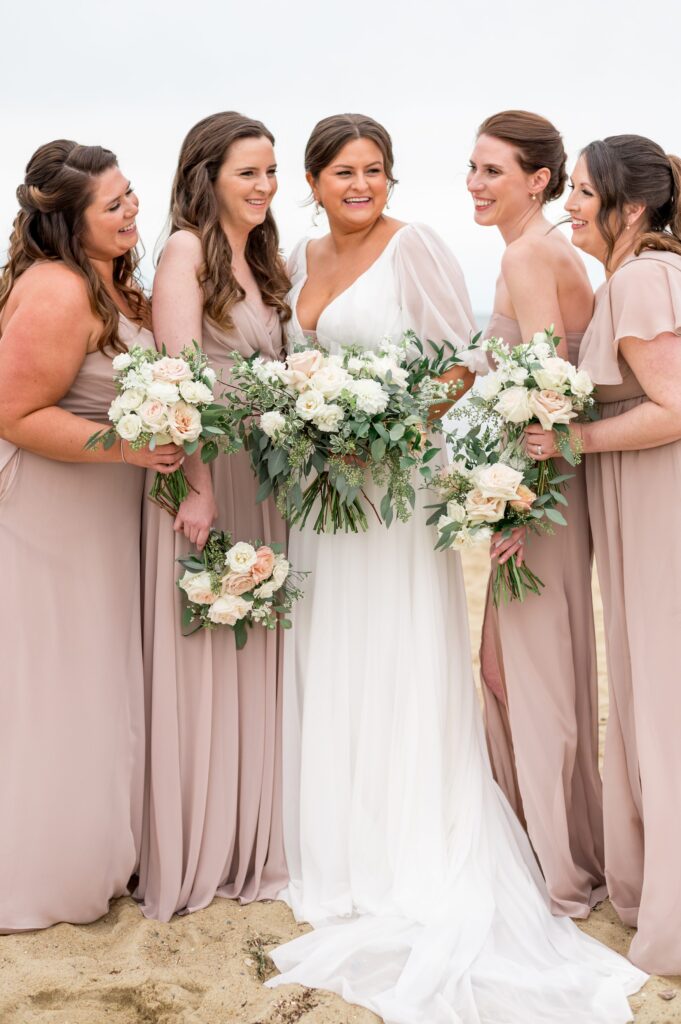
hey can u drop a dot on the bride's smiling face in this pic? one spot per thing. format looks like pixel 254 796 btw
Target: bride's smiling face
pixel 353 188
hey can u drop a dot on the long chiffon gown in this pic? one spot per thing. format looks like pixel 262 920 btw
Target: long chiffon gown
pixel 212 823
pixel 538 667
pixel 71 687
pixel 634 498
pixel 425 896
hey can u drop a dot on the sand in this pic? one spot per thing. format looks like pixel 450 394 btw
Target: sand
pixel 204 968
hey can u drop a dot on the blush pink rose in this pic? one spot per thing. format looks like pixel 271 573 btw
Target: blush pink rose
pixel 262 570
pixel 238 583
pixel 524 499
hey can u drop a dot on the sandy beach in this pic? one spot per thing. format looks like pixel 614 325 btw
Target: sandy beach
pixel 207 968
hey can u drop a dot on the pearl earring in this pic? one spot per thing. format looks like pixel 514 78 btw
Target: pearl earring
pixel 533 195
pixel 315 215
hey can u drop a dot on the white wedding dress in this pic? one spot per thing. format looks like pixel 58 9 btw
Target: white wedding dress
pixel 426 900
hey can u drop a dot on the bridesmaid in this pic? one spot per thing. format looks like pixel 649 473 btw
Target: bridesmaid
pixel 626 211
pixel 538 657
pixel 71 696
pixel 213 801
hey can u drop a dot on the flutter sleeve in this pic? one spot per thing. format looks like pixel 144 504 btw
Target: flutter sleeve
pixel 433 293
pixel 296 264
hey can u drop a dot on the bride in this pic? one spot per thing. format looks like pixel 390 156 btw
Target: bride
pixel 427 902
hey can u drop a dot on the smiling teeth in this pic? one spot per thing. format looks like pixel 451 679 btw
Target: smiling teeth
pixel 578 223
pixel 482 203
pixel 364 200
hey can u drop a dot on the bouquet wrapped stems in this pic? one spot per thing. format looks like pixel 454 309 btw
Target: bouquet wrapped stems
pixel 169 490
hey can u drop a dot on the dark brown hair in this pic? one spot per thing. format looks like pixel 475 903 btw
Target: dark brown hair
pixel 194 207
pixel 632 169
pixel 54 196
pixel 332 133
pixel 537 143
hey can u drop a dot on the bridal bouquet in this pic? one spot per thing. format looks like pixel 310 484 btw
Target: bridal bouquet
pixel 531 383
pixel 238 585
pixel 162 399
pixel 487 490
pixel 331 417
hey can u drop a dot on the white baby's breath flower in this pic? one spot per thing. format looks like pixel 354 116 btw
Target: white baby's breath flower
pixel 195 392
pixel 271 423
pixel 309 404
pixel 196 586
pixel 241 557
pixel 329 418
pixel 164 390
pixel 129 426
pixel 121 362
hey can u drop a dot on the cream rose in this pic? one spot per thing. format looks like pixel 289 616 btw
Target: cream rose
pixel 195 392
pixel 551 407
pixel 484 509
pixel 497 481
pixel 171 370
pixel 266 590
pixel 237 583
pixel 154 415
pixel 131 399
pixel 228 609
pixel 184 423
pixel 554 374
pixel 241 557
pixel 280 571
pixel 369 395
pixel 329 418
pixel 330 381
pixel 197 587
pixel 513 405
pixel 271 423
pixel 489 386
pixel 129 426
pixel 581 384
pixel 309 404
pixel 121 362
pixel 307 362
pixel 164 391
pixel 456 512
pixel 524 499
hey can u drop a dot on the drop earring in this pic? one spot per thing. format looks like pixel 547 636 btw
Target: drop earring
pixel 315 215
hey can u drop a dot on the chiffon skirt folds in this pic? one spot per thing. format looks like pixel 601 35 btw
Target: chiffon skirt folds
pixel 213 795
pixel 71 689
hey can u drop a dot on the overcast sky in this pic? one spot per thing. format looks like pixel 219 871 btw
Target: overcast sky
pixel 134 75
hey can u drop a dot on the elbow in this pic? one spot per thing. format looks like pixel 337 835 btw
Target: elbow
pixel 8 425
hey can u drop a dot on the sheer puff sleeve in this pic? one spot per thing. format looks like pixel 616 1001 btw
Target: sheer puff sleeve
pixel 433 294
pixel 641 300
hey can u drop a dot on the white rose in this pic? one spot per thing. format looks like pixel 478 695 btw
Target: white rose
pixel 554 374
pixel 539 338
pixel 384 365
pixel 228 609
pixel 281 570
pixel 517 374
pixel 356 364
pixel 497 481
pixel 541 350
pixel 116 410
pixel 129 426
pixel 307 362
pixel 171 370
pixel 163 390
pixel 456 512
pixel 196 586
pixel 131 399
pixel 241 557
pixel 146 373
pixel 513 405
pixel 581 384
pixel 121 362
pixel 210 376
pixel 184 423
pixel 266 590
pixel 272 422
pixel 489 386
pixel 329 418
pixel 154 415
pixel 309 404
pixel 330 381
pixel 370 396
pixel 551 407
pixel 482 508
pixel 195 391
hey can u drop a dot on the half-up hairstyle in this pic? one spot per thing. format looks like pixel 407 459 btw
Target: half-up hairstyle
pixel 332 133
pixel 628 169
pixel 537 143
pixel 194 207
pixel 56 192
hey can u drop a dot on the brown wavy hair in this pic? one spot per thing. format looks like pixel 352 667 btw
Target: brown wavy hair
pixel 633 169
pixel 332 133
pixel 537 142
pixel 194 207
pixel 56 192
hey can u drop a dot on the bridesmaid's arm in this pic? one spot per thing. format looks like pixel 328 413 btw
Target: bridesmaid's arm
pixel 177 312
pixel 44 344
pixel 657 366
pixel 533 289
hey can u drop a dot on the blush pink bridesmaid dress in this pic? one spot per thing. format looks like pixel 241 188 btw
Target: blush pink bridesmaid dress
pixel 634 499
pixel 538 666
pixel 212 823
pixel 71 686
